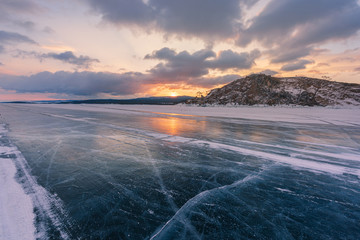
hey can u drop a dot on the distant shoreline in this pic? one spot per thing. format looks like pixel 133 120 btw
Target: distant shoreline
pixel 147 100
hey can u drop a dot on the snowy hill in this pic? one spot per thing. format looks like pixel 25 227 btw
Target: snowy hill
pixel 264 89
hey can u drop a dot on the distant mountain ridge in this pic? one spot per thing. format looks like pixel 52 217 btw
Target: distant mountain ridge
pixel 148 100
pixel 266 90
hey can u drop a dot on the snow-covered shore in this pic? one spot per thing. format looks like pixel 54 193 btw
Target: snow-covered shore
pixel 16 207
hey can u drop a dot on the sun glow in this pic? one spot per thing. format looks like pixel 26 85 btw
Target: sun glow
pixel 173 94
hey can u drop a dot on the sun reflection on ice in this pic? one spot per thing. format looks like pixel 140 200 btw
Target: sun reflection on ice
pixel 177 126
pixel 167 125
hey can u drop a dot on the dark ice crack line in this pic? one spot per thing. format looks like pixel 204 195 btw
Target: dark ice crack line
pixel 180 215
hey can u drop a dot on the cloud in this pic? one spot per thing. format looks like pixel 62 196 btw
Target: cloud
pixel 288 29
pixel 12 11
pixel 184 65
pixel 69 57
pixel 187 68
pixel 292 28
pixel 322 64
pixel 280 55
pixel 197 18
pixel 208 82
pixel 300 64
pixel 75 83
pixel 66 57
pixel 278 21
pixel 164 53
pixel 12 37
pixel 269 72
pixel 228 59
pixel 357 69
pixel 18 6
pixel 28 25
pixel 124 12
pixel 48 30
pixel 179 66
pixel 215 19
pixel 1 49
pixel 94 83
pixel 190 69
pixel 1 64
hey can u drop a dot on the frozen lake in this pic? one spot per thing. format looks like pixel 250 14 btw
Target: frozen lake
pixel 155 172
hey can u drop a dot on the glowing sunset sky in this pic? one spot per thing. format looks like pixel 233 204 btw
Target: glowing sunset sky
pixel 80 49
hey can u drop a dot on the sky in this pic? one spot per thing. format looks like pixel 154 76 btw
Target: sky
pixel 82 49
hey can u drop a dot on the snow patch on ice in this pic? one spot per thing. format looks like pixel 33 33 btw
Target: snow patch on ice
pixel 16 208
pixel 283 190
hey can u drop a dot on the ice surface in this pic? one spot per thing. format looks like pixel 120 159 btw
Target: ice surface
pixel 178 172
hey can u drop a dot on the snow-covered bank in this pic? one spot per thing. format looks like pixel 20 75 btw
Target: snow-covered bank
pixel 16 208
pixel 320 115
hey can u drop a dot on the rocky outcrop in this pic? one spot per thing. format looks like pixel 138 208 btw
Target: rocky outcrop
pixel 266 90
